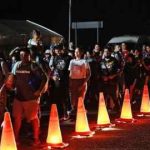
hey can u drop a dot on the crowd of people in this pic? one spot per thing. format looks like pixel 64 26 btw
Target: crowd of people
pixel 58 75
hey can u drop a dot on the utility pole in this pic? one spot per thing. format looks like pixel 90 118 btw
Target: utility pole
pixel 69 31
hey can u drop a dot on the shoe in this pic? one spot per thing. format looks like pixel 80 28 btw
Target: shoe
pixel 61 119
pixel 65 118
pixel 18 143
pixel 69 112
pixel 134 102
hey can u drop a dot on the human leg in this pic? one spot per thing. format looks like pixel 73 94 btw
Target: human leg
pixel 31 109
pixel 18 115
pixel 36 129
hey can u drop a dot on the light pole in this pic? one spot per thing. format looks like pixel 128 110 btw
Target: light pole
pixel 69 31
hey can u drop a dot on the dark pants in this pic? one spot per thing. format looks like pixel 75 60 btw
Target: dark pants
pixel 60 96
pixel 78 88
pixel 3 98
pixel 110 92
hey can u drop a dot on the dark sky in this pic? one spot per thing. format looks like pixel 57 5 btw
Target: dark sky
pixel 119 16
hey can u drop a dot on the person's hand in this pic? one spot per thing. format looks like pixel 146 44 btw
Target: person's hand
pixel 142 62
pixel 105 78
pixel 9 82
pixel 111 77
pixel 55 78
pixel 131 91
pixel 37 93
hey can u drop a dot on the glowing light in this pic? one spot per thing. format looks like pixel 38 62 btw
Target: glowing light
pixel 7 139
pixel 103 117
pixel 110 129
pixel 81 121
pixel 82 126
pixel 82 136
pixel 145 104
pixel 126 112
pixel 54 138
pixel 49 147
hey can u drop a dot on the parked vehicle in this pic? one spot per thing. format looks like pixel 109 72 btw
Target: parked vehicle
pixel 133 41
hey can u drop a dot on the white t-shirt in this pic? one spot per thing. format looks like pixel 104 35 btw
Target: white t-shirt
pixel 78 68
pixel 32 42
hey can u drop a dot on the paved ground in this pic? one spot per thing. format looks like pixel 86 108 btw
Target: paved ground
pixel 122 136
pixel 131 136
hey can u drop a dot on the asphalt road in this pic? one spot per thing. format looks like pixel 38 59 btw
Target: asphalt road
pixel 129 136
pixel 122 136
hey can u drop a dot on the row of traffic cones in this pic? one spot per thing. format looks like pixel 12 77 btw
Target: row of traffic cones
pixel 54 138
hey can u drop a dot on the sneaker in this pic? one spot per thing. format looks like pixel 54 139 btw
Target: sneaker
pixel 68 112
pixel 134 102
pixel 66 117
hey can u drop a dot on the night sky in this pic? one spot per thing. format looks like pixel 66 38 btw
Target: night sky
pixel 119 16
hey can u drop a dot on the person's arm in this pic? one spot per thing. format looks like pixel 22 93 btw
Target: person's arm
pixel 132 87
pixel 69 68
pixel 145 66
pixel 5 69
pixel 88 71
pixel 13 51
pixel 117 71
pixel 51 63
pixel 113 76
pixel 41 47
pixel 10 80
pixel 44 81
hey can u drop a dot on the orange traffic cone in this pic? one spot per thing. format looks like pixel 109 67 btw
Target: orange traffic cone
pixel 7 139
pixel 145 104
pixel 82 127
pixel 54 138
pixel 126 113
pixel 103 119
